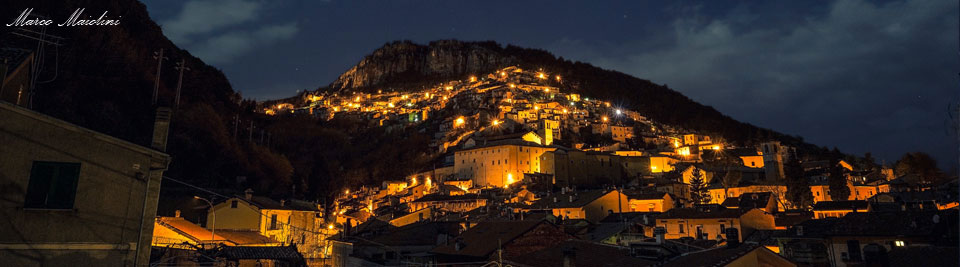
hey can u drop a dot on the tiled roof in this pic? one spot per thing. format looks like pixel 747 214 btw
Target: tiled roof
pixel 580 199
pixel 246 238
pixel 286 253
pixel 714 257
pixel 189 230
pixel 714 211
pixel 586 254
pixel 440 197
pixel 840 205
pixel 485 237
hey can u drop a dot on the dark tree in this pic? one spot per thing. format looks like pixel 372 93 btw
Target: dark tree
pixel 798 186
pixel 919 164
pixel 698 188
pixel 838 183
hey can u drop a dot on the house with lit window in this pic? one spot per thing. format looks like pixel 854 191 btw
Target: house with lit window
pixel 592 205
pixel 571 167
pixel 650 202
pixel 872 239
pixel 710 222
pixel 73 196
pixel 286 221
pixel 718 194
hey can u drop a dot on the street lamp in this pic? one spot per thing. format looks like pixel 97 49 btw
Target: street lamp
pixel 213 224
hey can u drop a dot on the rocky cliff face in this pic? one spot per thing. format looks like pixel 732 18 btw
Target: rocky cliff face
pixel 403 63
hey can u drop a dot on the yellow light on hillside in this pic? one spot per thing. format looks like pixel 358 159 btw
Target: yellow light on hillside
pixel 653 168
pixel 503 74
pixel 546 90
pixel 716 147
pixel 509 180
pixel 495 122
pixel 330 226
pixel 541 76
pixel 357 99
pixel 558 78
pixel 513 85
pixel 473 78
pixel 390 105
pixel 618 111
pixel 346 192
pixel 459 121
pixel 605 118
pixel 536 108
pixel 413 181
pixel 564 111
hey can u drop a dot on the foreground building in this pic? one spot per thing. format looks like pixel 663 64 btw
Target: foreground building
pixel 75 197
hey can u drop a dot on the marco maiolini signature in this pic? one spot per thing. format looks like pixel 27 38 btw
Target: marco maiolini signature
pixel 75 19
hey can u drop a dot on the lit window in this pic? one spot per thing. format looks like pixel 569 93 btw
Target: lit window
pixel 899 243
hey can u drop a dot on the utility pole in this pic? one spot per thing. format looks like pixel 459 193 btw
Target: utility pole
pixel 236 125
pixel 250 133
pixel 181 66
pixel 156 80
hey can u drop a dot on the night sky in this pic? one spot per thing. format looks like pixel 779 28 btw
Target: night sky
pixel 877 76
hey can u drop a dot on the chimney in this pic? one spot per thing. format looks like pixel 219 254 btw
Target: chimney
pixel 161 127
pixel 176 213
pixel 569 257
pixel 248 194
pixel 733 237
pixel 659 233
pixel 283 203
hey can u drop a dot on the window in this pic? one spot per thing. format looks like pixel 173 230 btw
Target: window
pixel 273 222
pixel 681 228
pixel 853 249
pixel 723 229
pixel 53 185
pixel 233 204
pixel 651 206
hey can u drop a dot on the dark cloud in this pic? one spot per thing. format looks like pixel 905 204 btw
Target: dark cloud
pixel 209 29
pixel 861 76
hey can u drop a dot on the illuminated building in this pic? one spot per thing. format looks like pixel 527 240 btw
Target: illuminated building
pixel 490 164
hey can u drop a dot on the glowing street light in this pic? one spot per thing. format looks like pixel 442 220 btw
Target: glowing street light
pixel 473 78
pixel 541 76
pixel 605 119
pixel 459 121
pixel 618 111
pixel 495 123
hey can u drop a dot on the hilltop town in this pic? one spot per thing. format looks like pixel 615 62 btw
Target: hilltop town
pixel 526 166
